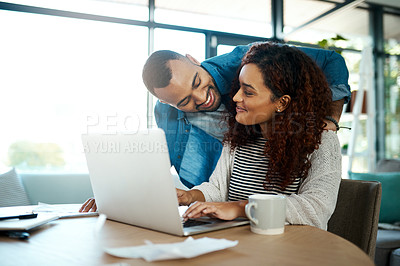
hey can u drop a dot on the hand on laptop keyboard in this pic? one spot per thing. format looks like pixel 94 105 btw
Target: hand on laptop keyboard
pixel 222 210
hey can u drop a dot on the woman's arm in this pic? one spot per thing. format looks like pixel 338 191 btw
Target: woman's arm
pixel 215 193
pixel 187 197
pixel 216 189
pixel 317 196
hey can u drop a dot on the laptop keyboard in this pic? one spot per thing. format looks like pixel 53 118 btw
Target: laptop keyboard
pixel 190 223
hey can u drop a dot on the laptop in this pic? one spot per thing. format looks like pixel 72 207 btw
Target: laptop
pixel 132 183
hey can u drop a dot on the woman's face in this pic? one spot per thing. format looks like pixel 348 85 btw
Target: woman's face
pixel 253 100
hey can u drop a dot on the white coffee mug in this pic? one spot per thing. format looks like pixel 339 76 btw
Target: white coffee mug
pixel 267 214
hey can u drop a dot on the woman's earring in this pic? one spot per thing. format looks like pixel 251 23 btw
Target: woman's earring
pixel 278 110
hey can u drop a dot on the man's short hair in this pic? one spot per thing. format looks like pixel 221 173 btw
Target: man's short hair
pixel 156 72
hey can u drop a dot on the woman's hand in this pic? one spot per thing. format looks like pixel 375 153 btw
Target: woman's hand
pixel 221 210
pixel 89 206
pixel 184 197
pixel 189 196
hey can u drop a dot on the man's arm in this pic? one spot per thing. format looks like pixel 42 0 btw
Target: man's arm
pixel 167 119
pixel 337 108
pixel 336 73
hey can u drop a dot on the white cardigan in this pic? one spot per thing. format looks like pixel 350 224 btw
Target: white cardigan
pixel 316 199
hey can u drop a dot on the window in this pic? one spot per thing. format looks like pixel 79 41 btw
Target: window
pixel 392 102
pixel 251 17
pixel 62 77
pixel 360 160
pixel 65 76
pixel 223 49
pixel 352 23
pixel 129 9
pixel 181 42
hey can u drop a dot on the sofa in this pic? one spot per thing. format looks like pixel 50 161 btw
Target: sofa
pixel 388 241
pixel 387 252
pixel 57 188
pixel 18 189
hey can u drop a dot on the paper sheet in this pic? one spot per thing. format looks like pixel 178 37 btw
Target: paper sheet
pixel 62 210
pixel 189 248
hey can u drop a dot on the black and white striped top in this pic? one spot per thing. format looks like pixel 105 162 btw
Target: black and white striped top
pixel 249 174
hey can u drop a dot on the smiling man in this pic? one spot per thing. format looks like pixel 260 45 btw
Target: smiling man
pixel 190 88
pixel 192 102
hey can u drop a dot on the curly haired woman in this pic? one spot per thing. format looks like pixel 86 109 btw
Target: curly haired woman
pixel 276 142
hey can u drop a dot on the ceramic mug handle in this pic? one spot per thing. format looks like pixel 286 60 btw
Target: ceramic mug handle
pixel 248 214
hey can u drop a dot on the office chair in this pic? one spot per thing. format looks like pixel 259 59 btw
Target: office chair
pixel 357 213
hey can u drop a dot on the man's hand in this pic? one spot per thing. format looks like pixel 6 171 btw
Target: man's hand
pixel 330 125
pixel 221 210
pixel 89 206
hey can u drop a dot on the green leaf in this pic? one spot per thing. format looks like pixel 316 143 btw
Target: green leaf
pixel 338 38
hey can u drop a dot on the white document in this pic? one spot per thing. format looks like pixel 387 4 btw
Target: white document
pixel 62 210
pixel 189 248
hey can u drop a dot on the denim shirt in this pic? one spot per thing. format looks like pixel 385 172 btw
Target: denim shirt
pixel 192 151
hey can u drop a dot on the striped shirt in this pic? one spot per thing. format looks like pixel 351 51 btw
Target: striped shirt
pixel 249 174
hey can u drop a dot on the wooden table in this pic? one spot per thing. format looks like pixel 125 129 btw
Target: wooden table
pixel 73 242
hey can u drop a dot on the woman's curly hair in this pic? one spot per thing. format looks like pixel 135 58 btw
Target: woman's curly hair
pixel 296 132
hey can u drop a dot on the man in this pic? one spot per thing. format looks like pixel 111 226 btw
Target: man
pixel 192 101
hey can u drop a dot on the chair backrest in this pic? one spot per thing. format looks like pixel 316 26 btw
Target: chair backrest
pixel 357 213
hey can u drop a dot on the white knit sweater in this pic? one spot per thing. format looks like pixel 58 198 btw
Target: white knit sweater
pixel 316 199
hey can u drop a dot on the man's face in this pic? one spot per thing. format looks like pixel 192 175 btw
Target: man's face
pixel 191 88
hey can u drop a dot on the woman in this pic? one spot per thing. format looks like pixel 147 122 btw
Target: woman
pixel 276 143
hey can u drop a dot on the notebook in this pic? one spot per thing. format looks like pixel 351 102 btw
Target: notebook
pixel 26 224
pixel 132 183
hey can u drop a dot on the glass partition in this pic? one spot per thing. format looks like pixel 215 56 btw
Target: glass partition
pixel 352 24
pixel 62 77
pixel 129 9
pixel 181 41
pixel 392 105
pixel 251 17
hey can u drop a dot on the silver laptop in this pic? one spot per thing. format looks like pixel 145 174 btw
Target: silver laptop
pixel 132 183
